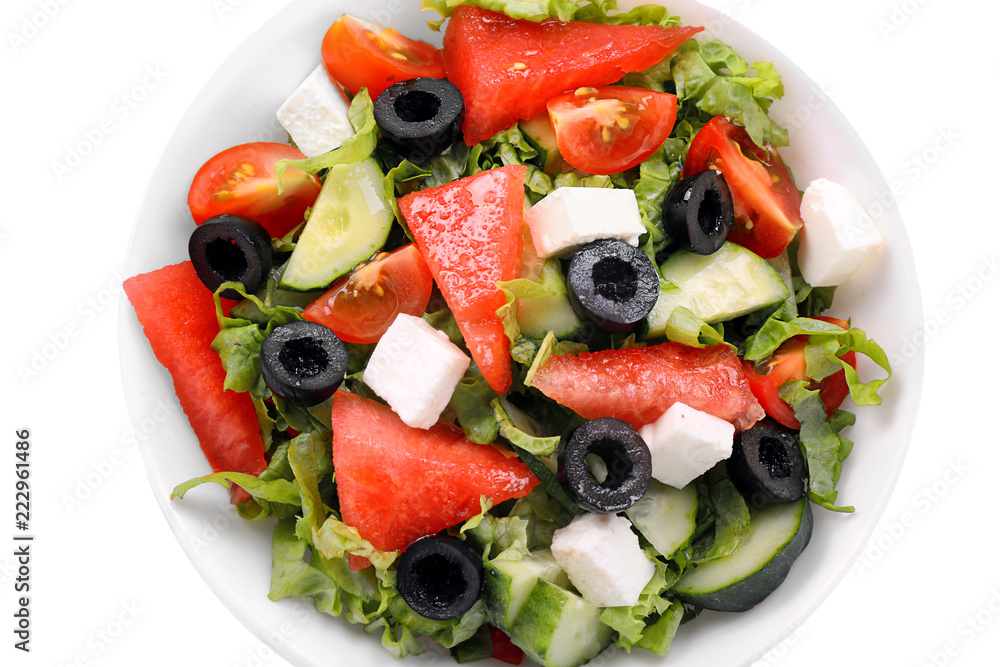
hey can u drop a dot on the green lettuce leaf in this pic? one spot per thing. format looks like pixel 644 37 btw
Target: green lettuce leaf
pixel 685 327
pixel 711 75
pixel 732 517
pixel 335 538
pixel 334 588
pixel 631 622
pixel 531 10
pixel 658 635
pixel 774 332
pixel 471 402
pixel 447 633
pixel 278 491
pixel 824 447
pixel 518 428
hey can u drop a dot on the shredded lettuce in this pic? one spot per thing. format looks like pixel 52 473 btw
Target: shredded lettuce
pixel 719 83
pixel 685 327
pixel 827 345
pixel 731 517
pixel 518 433
pixel 471 402
pixel 824 447
pixel 595 11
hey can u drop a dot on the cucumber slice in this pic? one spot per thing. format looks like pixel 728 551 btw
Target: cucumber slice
pixel 778 534
pixel 666 516
pixel 509 582
pixel 557 628
pixel 728 283
pixel 349 222
pixel 538 131
pixel 536 317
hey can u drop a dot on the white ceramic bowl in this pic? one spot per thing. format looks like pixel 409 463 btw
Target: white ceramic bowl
pixel 234 556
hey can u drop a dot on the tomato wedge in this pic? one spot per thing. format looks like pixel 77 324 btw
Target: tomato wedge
pixel 241 180
pixel 610 129
pixel 789 363
pixel 360 306
pixel 765 199
pixel 360 54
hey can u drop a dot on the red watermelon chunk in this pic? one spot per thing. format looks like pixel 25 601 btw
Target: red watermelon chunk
pixel 469 233
pixel 397 483
pixel 639 384
pixel 178 317
pixel 508 69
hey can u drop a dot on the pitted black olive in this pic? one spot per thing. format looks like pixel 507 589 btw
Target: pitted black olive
pixel 303 362
pixel 231 248
pixel 420 117
pixel 440 577
pixel 622 457
pixel 613 284
pixel 698 212
pixel 767 465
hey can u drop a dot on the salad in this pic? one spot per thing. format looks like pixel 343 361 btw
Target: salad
pixel 515 381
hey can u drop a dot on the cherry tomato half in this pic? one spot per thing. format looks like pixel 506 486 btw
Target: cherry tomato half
pixel 242 181
pixel 361 54
pixel 765 199
pixel 611 129
pixel 360 306
pixel 789 363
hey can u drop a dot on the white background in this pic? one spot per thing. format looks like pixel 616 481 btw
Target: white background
pixel 110 586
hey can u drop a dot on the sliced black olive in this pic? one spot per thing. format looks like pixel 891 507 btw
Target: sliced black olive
pixel 231 248
pixel 303 362
pixel 612 284
pixel 767 465
pixel 698 212
pixel 440 577
pixel 614 448
pixel 420 117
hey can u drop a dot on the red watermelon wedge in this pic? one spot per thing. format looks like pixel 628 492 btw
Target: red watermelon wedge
pixel 397 483
pixel 177 314
pixel 469 233
pixel 508 69
pixel 638 384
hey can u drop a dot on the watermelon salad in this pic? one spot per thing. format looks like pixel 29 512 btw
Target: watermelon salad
pixel 520 342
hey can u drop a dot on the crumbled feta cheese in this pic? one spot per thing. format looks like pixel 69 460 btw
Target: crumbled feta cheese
pixel 684 443
pixel 602 558
pixel 415 369
pixel 569 218
pixel 838 236
pixel 315 115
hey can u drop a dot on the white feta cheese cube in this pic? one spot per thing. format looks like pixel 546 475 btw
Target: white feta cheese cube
pixel 602 558
pixel 838 236
pixel 315 115
pixel 415 369
pixel 569 218
pixel 684 443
